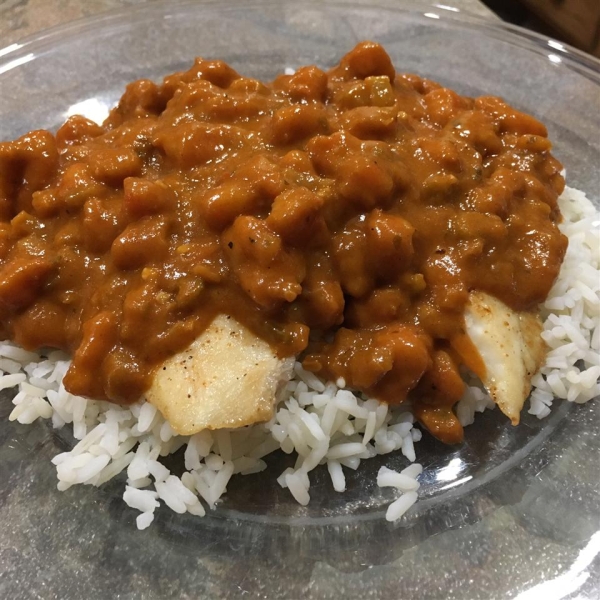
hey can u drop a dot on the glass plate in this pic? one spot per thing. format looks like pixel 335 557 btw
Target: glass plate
pixel 513 512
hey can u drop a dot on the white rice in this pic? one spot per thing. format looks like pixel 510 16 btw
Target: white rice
pixel 321 423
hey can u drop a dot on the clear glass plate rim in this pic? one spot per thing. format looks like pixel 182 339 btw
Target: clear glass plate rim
pixel 15 54
pixel 124 16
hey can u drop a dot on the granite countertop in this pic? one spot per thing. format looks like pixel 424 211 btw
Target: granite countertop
pixel 20 18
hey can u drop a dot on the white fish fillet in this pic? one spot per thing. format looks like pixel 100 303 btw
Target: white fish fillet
pixel 511 348
pixel 228 377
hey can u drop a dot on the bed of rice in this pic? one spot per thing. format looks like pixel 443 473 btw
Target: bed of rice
pixel 320 423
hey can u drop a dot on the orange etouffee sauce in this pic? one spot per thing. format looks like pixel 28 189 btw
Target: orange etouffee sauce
pixel 343 216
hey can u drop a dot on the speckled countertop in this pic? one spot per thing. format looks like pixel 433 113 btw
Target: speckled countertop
pixel 20 18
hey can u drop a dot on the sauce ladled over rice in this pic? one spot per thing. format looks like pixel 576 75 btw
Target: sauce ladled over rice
pixel 348 214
